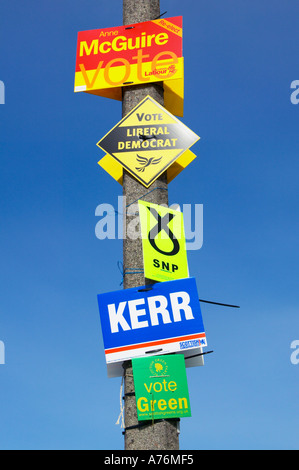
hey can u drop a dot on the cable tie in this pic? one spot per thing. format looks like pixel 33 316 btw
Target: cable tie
pixel 162 14
pixel 129 394
pixel 218 303
pixel 140 197
pixel 200 354
pixel 127 271
pixel 154 351
pixel 145 137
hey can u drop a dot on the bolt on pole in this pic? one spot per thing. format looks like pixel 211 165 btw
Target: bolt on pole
pixel 160 435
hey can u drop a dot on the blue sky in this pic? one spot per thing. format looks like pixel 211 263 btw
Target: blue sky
pixel 240 60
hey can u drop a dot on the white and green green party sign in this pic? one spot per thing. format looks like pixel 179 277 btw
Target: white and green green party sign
pixel 161 387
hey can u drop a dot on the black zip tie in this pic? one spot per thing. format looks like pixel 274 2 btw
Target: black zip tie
pixel 135 426
pixel 130 27
pixel 146 289
pixel 162 14
pixel 154 351
pixel 218 303
pixel 129 394
pixel 145 137
pixel 200 354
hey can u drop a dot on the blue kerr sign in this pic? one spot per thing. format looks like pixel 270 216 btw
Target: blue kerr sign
pixel 158 319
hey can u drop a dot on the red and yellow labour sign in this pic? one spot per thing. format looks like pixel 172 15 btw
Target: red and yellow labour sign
pixel 109 59
pixel 147 141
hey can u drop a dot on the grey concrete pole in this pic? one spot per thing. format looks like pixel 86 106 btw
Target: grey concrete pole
pixel 162 435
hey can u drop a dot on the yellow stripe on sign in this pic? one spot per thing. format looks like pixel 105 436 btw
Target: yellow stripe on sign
pixel 108 77
pixel 115 169
pixel 173 82
pixel 173 28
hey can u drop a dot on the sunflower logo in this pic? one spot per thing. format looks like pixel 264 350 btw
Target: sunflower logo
pixel 158 367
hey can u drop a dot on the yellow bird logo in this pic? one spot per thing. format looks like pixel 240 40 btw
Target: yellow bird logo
pixel 145 162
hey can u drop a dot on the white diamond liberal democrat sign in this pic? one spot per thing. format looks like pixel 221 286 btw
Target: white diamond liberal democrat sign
pixel 148 140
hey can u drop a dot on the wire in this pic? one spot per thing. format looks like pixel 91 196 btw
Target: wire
pixel 141 271
pixel 162 14
pixel 218 303
pixel 140 197
pixel 125 272
pixel 201 354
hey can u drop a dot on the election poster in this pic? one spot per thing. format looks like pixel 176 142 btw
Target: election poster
pixel 161 387
pixel 161 318
pixel 112 58
pixel 163 242
pixel 148 140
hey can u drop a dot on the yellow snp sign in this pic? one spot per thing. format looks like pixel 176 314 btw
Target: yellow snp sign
pixel 147 141
pixel 163 242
